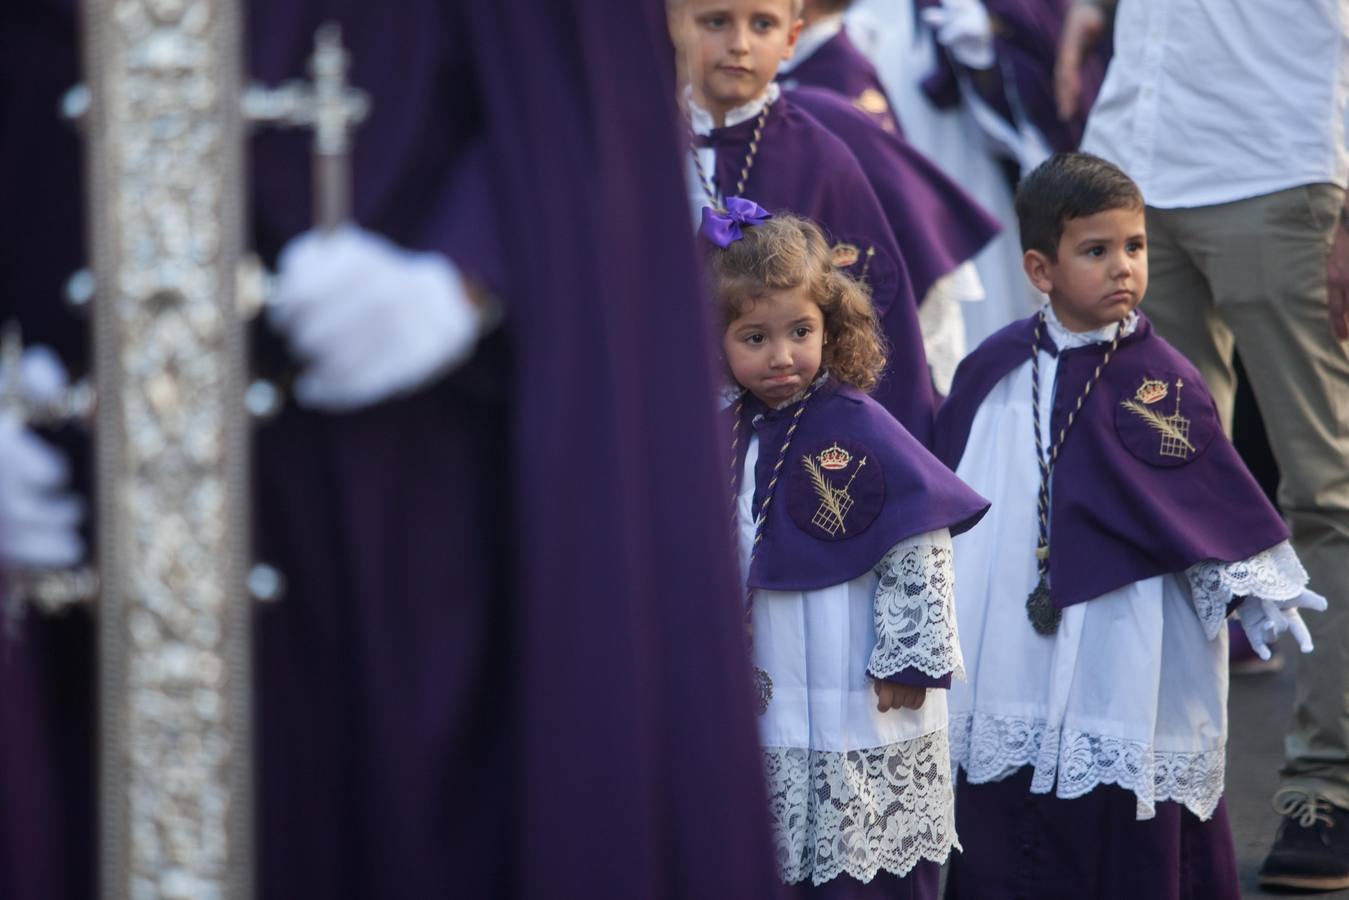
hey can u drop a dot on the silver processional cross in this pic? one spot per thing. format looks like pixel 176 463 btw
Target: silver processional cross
pixel 164 117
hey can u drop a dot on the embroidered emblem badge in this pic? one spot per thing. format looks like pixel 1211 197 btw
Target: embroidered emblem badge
pixel 872 101
pixel 846 255
pixel 835 488
pixel 1174 430
pixel 835 502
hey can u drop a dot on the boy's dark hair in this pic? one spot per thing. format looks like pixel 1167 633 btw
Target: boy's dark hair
pixel 1069 186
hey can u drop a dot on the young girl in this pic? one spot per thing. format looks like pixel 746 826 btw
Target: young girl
pixel 845 526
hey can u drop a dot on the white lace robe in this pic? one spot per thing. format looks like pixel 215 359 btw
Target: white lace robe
pixel 852 790
pixel 1132 689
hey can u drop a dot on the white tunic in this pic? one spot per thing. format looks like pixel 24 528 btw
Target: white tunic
pixel 1132 689
pixel 852 790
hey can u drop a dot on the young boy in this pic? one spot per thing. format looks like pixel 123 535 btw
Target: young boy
pixel 754 141
pixel 1093 727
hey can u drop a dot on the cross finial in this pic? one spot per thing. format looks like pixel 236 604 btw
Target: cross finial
pixel 331 107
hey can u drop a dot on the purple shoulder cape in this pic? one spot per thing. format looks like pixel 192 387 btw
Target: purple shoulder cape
pixel 804 168
pixel 854 484
pixel 937 225
pixel 1134 497
pixel 838 66
pixel 1026 39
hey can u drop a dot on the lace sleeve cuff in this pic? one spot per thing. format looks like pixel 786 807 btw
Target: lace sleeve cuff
pixel 1273 574
pixel 915 609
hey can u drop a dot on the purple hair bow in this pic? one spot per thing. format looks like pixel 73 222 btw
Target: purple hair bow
pixel 724 227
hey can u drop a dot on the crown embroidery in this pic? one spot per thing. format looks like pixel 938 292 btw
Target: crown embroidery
pixel 1174 430
pixel 834 458
pixel 872 101
pixel 835 502
pixel 1151 390
pixel 845 255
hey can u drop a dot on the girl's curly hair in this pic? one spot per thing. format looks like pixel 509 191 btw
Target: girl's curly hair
pixel 787 252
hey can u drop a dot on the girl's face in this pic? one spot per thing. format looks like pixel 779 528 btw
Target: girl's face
pixel 775 347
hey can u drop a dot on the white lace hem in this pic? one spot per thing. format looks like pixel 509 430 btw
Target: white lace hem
pixel 859 812
pixel 1273 574
pixel 990 748
pixel 915 610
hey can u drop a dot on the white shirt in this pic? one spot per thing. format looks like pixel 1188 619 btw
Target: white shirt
pixel 1212 101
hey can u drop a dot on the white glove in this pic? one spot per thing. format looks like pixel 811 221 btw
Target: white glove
pixel 370 319
pixel 39 521
pixel 964 28
pixel 1264 620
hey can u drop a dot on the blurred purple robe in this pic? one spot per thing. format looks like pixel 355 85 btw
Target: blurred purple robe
pixel 510 661
pixel 837 65
pixel 937 225
pixel 47 724
pixel 1021 83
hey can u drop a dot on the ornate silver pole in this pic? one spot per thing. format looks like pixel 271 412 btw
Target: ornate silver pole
pixel 166 195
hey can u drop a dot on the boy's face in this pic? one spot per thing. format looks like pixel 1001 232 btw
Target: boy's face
pixel 775 347
pixel 733 48
pixel 1101 272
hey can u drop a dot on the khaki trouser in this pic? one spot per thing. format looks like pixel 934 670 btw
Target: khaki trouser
pixel 1254 272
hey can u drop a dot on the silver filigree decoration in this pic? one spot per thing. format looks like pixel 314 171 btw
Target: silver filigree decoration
pixel 165 147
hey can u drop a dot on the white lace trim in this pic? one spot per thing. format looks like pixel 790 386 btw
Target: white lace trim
pixel 1273 574
pixel 915 609
pixel 859 812
pixel 990 748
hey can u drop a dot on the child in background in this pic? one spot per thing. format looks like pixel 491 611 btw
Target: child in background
pixel 845 527
pixel 751 139
pixel 1092 731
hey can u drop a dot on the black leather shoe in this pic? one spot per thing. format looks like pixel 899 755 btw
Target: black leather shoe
pixel 1311 852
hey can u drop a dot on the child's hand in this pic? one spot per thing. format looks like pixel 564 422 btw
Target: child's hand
pixel 897 696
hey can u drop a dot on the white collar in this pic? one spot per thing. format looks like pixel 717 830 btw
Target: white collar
pixel 813 37
pixel 701 120
pixel 1067 340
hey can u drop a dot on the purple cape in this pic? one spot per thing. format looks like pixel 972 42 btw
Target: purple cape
pixel 937 225
pixel 476 685
pixel 837 65
pixel 1026 40
pixel 845 442
pixel 802 167
pixel 1126 504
